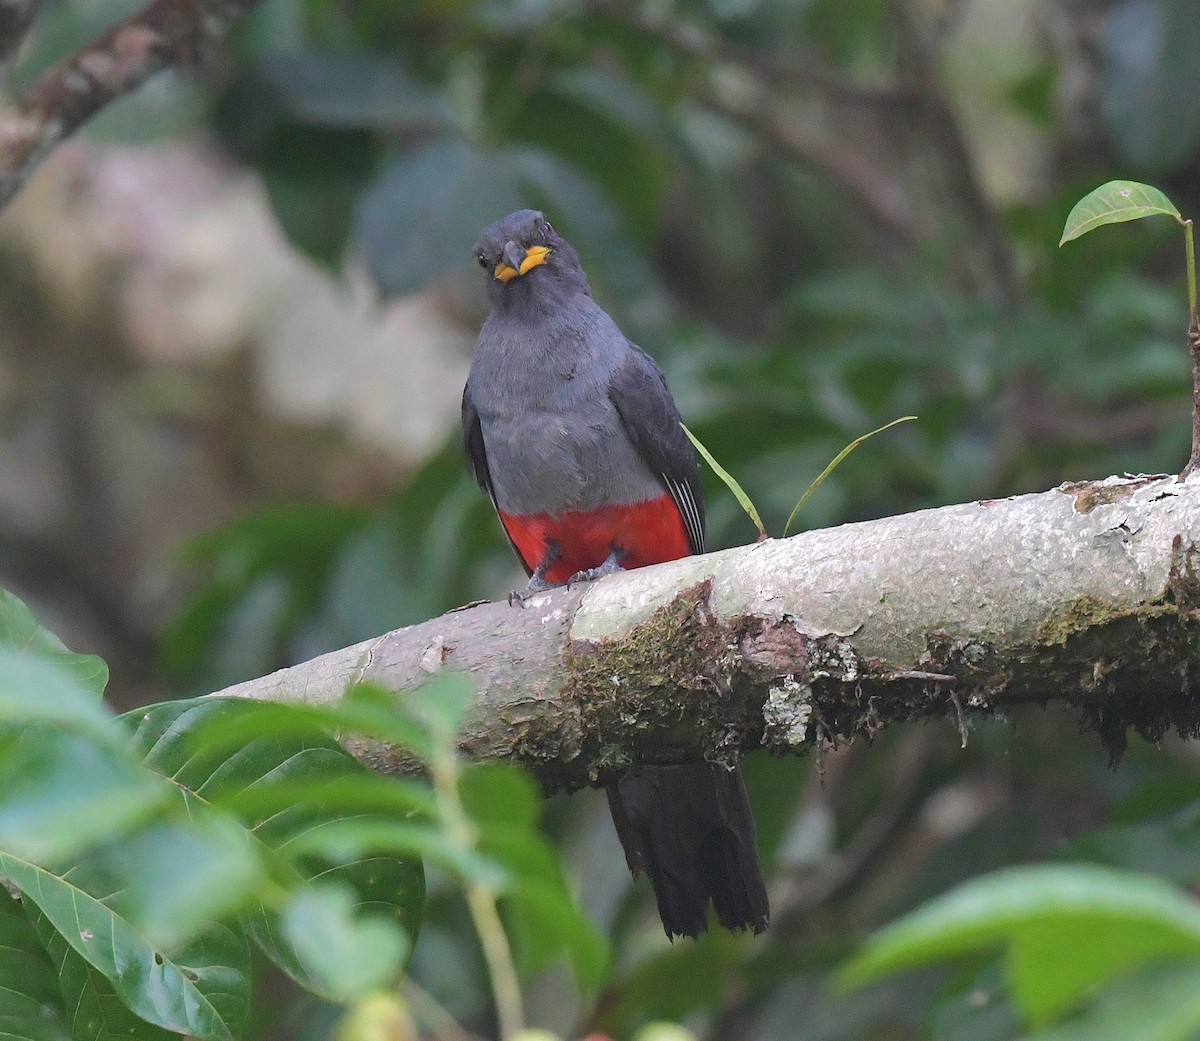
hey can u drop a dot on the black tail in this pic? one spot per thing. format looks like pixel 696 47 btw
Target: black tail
pixel 691 830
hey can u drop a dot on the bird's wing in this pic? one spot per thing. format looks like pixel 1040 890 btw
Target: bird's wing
pixel 477 458
pixel 639 393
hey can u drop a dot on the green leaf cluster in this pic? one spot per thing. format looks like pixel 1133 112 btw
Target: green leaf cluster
pixel 1068 932
pixel 149 856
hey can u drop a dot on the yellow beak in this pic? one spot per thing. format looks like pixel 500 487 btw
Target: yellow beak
pixel 534 257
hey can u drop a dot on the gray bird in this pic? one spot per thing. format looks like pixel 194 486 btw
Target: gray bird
pixel 571 431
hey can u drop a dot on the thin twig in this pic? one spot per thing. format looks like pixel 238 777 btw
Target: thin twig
pixel 481 901
pixel 1194 350
pixel 15 18
pixel 165 34
pixel 919 67
pixel 794 71
pixel 430 1011
pixel 877 192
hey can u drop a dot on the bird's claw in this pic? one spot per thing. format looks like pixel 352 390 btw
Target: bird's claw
pixel 537 584
pixel 610 567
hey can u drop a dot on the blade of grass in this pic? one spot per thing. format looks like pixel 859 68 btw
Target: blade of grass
pixel 837 460
pixel 730 483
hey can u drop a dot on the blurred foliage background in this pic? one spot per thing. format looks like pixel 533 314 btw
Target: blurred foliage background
pixel 235 318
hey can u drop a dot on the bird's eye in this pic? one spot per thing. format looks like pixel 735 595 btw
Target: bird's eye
pixel 549 227
pixel 481 259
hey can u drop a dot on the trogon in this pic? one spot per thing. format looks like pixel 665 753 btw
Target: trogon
pixel 572 433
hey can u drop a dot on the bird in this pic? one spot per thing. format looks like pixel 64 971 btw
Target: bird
pixel 570 430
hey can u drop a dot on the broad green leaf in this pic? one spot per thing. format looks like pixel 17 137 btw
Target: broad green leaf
pixel 201 988
pixel 348 794
pixel 20 631
pixel 174 876
pixel 214 734
pixel 835 463
pixel 543 918
pixel 1157 1004
pixel 61 792
pixel 1067 928
pixel 278 768
pixel 37 689
pixel 31 1007
pixel 1167 845
pixel 93 1008
pixel 350 90
pixel 588 218
pixel 289 548
pixel 500 794
pixel 419 220
pixel 438 706
pixel 731 483
pixel 421 217
pixel 1113 203
pixel 545 921
pixel 350 954
pixel 352 839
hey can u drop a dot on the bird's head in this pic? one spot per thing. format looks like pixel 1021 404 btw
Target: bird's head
pixel 526 260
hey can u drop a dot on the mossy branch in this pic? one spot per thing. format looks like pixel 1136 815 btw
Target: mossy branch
pixel 1087 594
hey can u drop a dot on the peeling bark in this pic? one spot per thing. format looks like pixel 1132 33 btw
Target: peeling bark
pixel 1087 594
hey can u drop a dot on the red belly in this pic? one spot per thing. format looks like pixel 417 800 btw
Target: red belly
pixel 644 532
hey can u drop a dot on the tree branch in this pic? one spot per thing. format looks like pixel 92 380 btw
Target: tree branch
pixel 918 69
pixel 1087 594
pixel 796 72
pixel 15 19
pixel 166 34
pixel 879 193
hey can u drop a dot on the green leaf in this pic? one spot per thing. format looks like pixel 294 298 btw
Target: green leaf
pixel 20 630
pixel 289 549
pixel 421 217
pixel 835 463
pixel 500 794
pixel 37 689
pixel 201 988
pixel 93 1008
pixel 353 839
pixel 173 877
pixel 438 707
pixel 543 918
pixel 278 768
pixel 1158 1004
pixel 730 483
pixel 61 792
pixel 31 1007
pixel 214 732
pixel 545 921
pixel 1067 929
pixel 350 90
pixel 419 220
pixel 1113 203
pixel 351 955
pixel 1167 845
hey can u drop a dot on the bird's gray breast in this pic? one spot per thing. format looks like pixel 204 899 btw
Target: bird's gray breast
pixel 554 440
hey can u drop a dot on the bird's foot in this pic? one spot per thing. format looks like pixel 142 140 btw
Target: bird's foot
pixel 537 584
pixel 611 566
